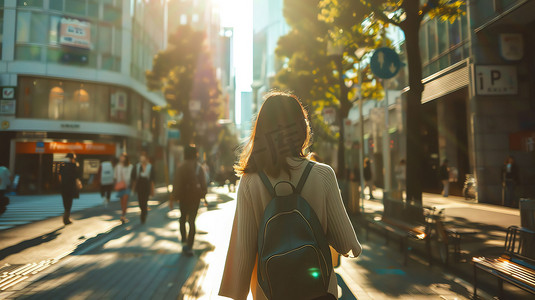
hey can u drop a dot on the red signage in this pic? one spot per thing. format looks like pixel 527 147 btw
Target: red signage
pixel 60 147
pixel 522 141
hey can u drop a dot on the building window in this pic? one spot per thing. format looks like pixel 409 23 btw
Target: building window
pixel 56 5
pixel 183 19
pixel 432 39
pixel 118 105
pixel 31 29
pixel 62 100
pixel 1 26
pixel 30 3
pixel 78 7
pixel 55 103
pixel 443 40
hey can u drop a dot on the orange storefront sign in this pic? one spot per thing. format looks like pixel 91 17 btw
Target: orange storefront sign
pixel 61 147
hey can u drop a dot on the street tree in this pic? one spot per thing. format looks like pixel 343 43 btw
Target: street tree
pixel 206 99
pixel 408 16
pixel 173 74
pixel 318 77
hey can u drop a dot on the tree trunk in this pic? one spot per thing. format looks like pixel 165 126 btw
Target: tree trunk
pixel 343 112
pixel 414 97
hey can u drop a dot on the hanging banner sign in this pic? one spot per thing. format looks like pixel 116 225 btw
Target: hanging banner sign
pixel 75 33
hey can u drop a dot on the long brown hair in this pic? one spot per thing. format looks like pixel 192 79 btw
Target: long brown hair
pixel 281 130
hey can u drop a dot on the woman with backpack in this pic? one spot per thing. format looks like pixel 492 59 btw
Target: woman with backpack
pixel 289 210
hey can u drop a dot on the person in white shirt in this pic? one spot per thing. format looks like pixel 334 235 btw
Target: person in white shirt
pixel 123 178
pixel 106 176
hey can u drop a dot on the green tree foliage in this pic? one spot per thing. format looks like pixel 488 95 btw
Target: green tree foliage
pixel 408 16
pixel 173 73
pixel 312 73
pixel 207 93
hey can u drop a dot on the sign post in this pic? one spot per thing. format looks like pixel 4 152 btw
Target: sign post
pixel 385 64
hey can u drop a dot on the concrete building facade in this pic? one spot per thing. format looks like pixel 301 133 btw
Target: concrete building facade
pixel 73 77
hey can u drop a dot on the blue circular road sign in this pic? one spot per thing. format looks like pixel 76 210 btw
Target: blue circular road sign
pixel 385 63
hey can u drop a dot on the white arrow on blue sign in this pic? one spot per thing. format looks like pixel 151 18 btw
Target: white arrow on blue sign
pixel 385 63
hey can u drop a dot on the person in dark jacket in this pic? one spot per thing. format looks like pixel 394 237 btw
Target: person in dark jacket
pixel 70 185
pixel 189 187
pixel 368 177
pixel 143 184
pixel 509 181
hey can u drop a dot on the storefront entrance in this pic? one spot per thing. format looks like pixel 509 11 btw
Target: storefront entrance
pixel 37 163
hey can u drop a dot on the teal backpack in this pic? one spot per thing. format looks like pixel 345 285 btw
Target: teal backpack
pixel 294 259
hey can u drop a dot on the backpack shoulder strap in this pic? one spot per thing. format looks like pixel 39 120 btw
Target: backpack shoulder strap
pixel 267 183
pixel 304 177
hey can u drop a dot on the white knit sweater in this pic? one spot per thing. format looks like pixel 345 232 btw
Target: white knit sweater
pixel 323 195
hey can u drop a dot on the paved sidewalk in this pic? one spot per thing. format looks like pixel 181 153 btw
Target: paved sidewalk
pixel 133 262
pixel 489 221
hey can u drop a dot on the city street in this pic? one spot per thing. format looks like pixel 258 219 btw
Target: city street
pixel 97 258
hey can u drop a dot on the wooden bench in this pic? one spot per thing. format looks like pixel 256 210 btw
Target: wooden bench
pixel 516 265
pixel 393 224
pixel 448 237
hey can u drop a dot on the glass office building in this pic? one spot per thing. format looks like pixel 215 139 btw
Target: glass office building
pixel 72 75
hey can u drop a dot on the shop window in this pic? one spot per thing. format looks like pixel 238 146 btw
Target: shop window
pixel 82 102
pixel 30 3
pixel 101 103
pixel 135 112
pixel 55 103
pixel 33 98
pixel 118 106
pixel 76 7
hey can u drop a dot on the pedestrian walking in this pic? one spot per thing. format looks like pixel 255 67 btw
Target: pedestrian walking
pixel 70 185
pixel 5 183
pixel 401 175
pixel 123 178
pixel 509 181
pixel 274 164
pixel 143 184
pixel 189 187
pixel 105 179
pixel 368 177
pixel 444 177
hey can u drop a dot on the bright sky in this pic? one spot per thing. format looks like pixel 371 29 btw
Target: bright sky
pixel 239 15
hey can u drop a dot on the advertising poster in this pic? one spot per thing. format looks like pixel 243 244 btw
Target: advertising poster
pixel 75 33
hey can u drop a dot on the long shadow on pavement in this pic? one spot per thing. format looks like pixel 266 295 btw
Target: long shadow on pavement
pixel 45 238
